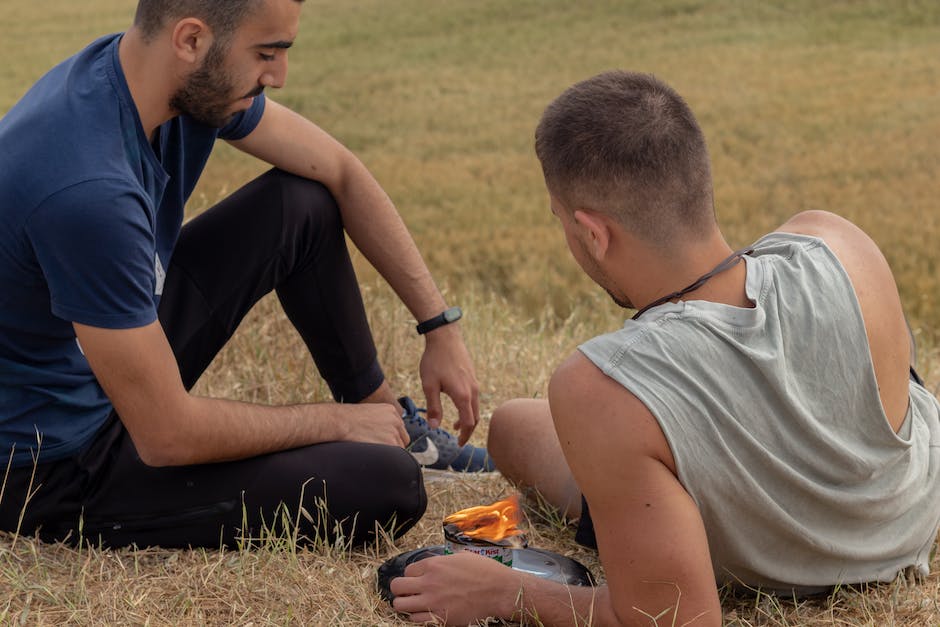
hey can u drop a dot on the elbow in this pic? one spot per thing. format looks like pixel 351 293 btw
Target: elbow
pixel 612 619
pixel 161 453
pixel 160 442
pixel 677 610
pixel 157 457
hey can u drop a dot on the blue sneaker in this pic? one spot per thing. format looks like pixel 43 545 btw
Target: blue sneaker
pixel 438 449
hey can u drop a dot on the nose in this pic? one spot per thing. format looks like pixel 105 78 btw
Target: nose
pixel 275 75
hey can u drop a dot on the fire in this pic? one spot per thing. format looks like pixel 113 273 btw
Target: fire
pixel 491 522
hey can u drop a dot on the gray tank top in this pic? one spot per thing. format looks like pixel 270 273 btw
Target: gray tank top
pixel 774 419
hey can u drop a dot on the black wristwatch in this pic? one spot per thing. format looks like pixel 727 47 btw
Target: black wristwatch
pixel 446 317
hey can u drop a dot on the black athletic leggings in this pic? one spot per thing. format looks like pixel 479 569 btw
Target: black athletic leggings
pixel 280 232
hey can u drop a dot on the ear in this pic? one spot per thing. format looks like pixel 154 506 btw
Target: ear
pixel 597 229
pixel 192 38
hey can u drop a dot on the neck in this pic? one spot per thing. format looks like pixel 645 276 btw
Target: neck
pixel 731 281
pixel 149 81
pixel 687 277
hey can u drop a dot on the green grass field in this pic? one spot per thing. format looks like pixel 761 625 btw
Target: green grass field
pixel 805 105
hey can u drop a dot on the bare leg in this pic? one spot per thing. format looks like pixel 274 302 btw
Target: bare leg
pixel 523 443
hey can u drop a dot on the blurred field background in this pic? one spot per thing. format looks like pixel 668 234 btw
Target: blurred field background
pixel 805 105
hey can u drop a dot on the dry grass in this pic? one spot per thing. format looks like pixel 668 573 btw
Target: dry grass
pixel 276 583
pixel 806 105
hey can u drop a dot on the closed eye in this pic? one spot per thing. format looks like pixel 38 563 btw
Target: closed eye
pixel 267 50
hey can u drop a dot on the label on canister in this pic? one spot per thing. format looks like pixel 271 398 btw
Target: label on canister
pixel 502 554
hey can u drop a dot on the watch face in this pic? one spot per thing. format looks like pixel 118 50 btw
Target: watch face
pixel 452 314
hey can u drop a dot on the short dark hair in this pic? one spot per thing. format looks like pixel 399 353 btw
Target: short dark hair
pixel 222 16
pixel 627 145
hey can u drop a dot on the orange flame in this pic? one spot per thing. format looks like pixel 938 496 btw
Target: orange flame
pixel 491 522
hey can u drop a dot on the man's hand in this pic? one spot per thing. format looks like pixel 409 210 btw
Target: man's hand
pixel 456 589
pixel 377 423
pixel 446 367
pixel 464 588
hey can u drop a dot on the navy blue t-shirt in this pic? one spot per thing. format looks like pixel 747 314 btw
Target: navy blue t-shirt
pixel 89 215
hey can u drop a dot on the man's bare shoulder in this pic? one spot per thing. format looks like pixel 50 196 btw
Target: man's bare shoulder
pixel 584 399
pixel 878 299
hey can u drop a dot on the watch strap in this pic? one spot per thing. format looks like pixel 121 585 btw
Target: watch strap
pixel 452 314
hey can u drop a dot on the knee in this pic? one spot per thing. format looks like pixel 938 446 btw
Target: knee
pixel 498 425
pixel 306 202
pixel 397 497
pixel 503 434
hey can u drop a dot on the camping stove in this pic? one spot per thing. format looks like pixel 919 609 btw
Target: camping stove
pixel 491 531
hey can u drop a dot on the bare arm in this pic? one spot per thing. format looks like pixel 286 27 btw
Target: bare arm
pixel 293 143
pixel 169 426
pixel 650 536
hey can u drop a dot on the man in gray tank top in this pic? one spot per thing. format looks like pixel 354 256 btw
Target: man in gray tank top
pixel 754 423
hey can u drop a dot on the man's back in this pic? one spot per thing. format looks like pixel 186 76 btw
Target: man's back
pixel 774 419
pixel 878 299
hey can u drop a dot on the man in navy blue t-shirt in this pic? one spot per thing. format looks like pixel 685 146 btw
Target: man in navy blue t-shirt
pixel 110 310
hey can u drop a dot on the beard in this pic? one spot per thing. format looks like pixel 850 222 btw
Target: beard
pixel 206 95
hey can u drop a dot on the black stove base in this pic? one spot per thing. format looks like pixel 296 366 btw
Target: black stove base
pixel 544 564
